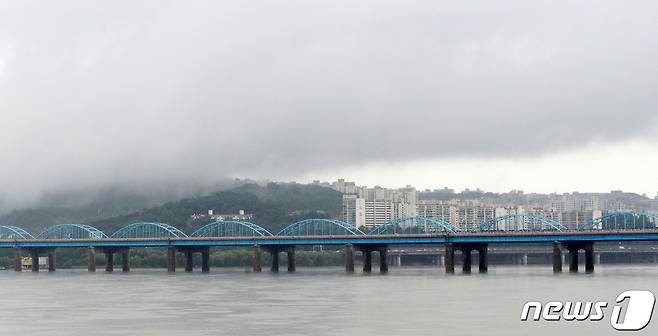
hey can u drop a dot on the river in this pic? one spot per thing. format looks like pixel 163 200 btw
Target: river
pixel 313 301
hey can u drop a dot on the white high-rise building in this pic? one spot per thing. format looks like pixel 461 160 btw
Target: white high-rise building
pixel 375 206
pixel 354 209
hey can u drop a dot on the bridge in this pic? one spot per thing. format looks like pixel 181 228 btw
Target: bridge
pixel 522 228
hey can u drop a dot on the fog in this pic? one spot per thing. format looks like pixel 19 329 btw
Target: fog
pixel 138 93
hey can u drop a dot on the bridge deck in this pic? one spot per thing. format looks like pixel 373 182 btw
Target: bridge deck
pixel 523 237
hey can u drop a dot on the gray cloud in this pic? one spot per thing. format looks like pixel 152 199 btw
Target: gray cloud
pixel 123 91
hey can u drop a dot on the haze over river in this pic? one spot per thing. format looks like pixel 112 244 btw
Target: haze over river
pixel 313 301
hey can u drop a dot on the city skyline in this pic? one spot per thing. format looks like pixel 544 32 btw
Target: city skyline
pixel 375 206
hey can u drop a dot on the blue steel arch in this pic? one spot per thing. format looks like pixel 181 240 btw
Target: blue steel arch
pixel 14 232
pixel 148 230
pixel 72 231
pixel 521 222
pixel 320 227
pixel 231 229
pixel 622 220
pixel 414 225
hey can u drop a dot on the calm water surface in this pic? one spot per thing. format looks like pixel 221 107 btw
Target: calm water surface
pixel 313 301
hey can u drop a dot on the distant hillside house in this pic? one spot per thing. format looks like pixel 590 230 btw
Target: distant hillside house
pixel 240 216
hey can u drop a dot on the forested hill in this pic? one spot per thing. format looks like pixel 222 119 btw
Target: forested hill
pixel 88 204
pixel 273 206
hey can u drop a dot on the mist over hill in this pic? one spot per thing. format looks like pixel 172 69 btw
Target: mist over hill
pixel 273 205
pixel 88 204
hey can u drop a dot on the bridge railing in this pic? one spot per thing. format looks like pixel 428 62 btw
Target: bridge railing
pixel 622 221
pixel 521 222
pixel 414 225
pixel 320 227
pixel 612 221
pixel 231 229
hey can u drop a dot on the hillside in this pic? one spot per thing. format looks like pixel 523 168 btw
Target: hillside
pixel 273 206
pixel 85 205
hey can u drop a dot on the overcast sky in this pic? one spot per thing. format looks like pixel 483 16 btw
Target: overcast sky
pixel 535 95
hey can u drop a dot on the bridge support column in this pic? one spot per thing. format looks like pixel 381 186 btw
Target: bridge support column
pixel 574 247
pixel 274 268
pixel 524 259
pixel 189 260
pixel 441 260
pixel 589 256
pixel 383 259
pixel 125 260
pixel 205 260
pixel 557 257
pixel 51 261
pixel 34 253
pixel 257 259
pixel 397 260
pixel 483 258
pixel 367 260
pixel 466 257
pixel 291 259
pixel 109 261
pixel 349 259
pixel 18 259
pixel 450 258
pixel 573 259
pixel 597 258
pixel 91 259
pixel 171 259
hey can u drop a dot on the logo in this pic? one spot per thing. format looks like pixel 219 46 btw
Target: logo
pixel 632 310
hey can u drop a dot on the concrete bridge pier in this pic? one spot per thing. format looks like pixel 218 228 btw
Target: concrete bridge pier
pixel 367 261
pixel 91 259
pixel 524 259
pixel 205 259
pixel 349 258
pixel 383 259
pixel 450 258
pixel 573 259
pixel 125 260
pixel 367 257
pixel 291 259
pixel 589 257
pixel 466 259
pixel 171 259
pixel 274 268
pixel 557 257
pixel 397 260
pixel 573 248
pixel 483 256
pixel 109 260
pixel 189 260
pixel 18 259
pixel 257 256
pixel 274 252
pixel 51 260
pixel 34 254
